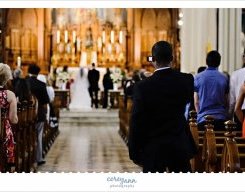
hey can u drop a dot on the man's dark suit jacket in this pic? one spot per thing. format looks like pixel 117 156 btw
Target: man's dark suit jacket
pixel 39 90
pixel 158 117
pixel 93 78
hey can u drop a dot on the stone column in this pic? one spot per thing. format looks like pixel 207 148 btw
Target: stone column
pixel 230 39
pixel 197 36
pixel 137 38
pixel 40 41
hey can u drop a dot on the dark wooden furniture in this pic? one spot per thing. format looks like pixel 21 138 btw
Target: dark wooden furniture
pixel 113 99
pixel 26 139
pixel 62 98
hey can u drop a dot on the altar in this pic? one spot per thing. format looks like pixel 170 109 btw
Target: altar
pixel 99 41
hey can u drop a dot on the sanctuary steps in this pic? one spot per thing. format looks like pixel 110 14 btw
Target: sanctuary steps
pixel 94 117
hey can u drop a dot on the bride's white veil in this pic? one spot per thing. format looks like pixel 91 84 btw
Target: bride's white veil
pixel 80 98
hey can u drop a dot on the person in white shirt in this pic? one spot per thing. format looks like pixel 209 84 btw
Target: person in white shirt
pixel 236 81
pixel 50 91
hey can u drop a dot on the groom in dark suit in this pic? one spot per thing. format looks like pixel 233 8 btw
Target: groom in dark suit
pixel 93 78
pixel 159 136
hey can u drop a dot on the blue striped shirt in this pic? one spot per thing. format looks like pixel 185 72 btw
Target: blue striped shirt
pixel 211 87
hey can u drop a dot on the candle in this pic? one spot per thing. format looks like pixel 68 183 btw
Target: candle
pixel 58 36
pixel 120 37
pixel 112 36
pixel 99 43
pixel 66 36
pixel 73 36
pixel 19 62
pixel 103 36
pixel 109 48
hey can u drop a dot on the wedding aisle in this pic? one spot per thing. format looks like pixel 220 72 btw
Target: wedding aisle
pixel 88 147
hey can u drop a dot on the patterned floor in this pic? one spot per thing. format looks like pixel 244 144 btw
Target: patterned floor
pixel 88 149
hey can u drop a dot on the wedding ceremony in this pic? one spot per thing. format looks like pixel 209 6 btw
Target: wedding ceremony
pixel 122 90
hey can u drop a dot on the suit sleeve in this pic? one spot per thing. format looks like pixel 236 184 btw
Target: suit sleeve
pixel 136 133
pixel 45 97
pixel 191 96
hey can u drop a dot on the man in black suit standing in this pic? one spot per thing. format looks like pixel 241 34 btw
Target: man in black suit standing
pixel 39 90
pixel 159 136
pixel 93 78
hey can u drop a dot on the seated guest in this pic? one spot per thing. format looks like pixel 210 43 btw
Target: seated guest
pixel 144 74
pixel 8 106
pixel 38 89
pixel 129 84
pixel 236 81
pixel 211 92
pixel 238 108
pixel 159 136
pixel 21 88
pixel 16 76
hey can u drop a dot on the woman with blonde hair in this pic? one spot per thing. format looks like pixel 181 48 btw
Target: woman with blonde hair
pixel 8 106
pixel 238 108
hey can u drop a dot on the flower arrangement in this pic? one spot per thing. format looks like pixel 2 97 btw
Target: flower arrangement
pixel 116 75
pixel 62 79
pixel 63 76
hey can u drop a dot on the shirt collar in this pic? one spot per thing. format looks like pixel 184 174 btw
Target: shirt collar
pixel 212 68
pixel 162 68
pixel 32 75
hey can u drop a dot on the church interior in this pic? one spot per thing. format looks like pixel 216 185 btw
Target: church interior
pixel 74 37
pixel 120 39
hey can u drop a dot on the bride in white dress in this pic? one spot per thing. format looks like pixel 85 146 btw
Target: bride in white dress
pixel 80 98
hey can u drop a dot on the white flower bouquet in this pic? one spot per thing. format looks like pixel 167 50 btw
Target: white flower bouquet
pixel 62 79
pixel 63 76
pixel 116 75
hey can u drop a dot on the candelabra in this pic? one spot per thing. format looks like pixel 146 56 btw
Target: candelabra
pixel 111 45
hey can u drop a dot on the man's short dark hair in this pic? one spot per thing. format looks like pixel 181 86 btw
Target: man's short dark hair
pixel 33 69
pixel 162 53
pixel 213 59
pixel 93 65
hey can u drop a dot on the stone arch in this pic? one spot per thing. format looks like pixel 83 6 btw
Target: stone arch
pixel 163 19
pixel 29 18
pixel 148 21
pixel 148 31
pixel 13 28
pixel 14 19
pixel 163 24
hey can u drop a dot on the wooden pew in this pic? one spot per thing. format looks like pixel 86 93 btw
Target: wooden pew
pixel 124 116
pixel 233 155
pixel 196 162
pixel 210 145
pixel 26 138
pixel 209 153
pixel 213 144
